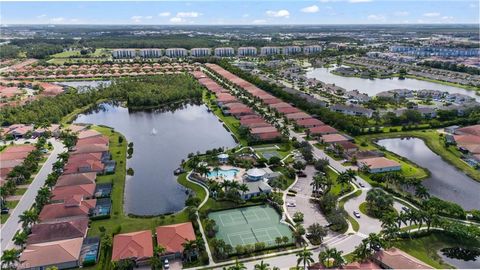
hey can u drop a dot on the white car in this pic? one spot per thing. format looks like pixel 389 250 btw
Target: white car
pixel 166 265
pixel 291 204
pixel 356 214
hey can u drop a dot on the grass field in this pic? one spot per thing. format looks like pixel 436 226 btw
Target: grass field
pixel 249 225
pixel 434 141
pixel 426 248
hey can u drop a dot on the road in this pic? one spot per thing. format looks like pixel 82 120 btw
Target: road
pixel 12 225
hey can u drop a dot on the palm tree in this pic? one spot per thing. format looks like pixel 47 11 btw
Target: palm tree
pixel 106 243
pixel 125 264
pixel 43 197
pixel 421 192
pixel 238 266
pixel 10 258
pixel 317 233
pixel 243 188
pixel 262 266
pixel 20 239
pixel 28 218
pixel 390 231
pixel 362 252
pixel 278 241
pixel 331 258
pixel 305 257
pixel 189 249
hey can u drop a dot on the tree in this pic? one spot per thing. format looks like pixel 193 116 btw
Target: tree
pixel 125 264
pixel 243 188
pixel 379 201
pixel 278 241
pixel 238 266
pixel 331 258
pixel 305 257
pixel 190 249
pixel 316 233
pixel 28 218
pixel 274 161
pixel 421 192
pixel 299 166
pixel 10 258
pixel 20 238
pixel 155 260
pixel 262 266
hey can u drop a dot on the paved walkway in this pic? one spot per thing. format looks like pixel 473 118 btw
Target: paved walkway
pixel 12 225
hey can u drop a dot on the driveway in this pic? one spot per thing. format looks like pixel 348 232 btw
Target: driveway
pixel 12 225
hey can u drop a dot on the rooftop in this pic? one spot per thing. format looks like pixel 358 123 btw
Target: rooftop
pixel 379 162
pixel 173 236
pixel 135 245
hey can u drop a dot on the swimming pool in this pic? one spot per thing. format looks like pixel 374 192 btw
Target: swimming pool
pixel 226 174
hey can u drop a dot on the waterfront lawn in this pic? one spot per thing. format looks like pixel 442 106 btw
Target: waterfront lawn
pixel 435 142
pixel 426 248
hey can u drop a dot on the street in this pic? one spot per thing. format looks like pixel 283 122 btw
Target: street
pixel 12 224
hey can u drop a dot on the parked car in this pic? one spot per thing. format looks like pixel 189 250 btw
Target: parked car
pixel 166 264
pixel 361 184
pixel 356 214
pixel 301 174
pixel 5 210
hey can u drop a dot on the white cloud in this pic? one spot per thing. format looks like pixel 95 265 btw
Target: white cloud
pixel 431 14
pixel 164 14
pixel 42 16
pixel 359 1
pixel 190 14
pixel 246 15
pixel 177 20
pixel 374 17
pixel 282 13
pixel 258 21
pixel 136 19
pixel 401 13
pixel 310 9
pixel 74 20
pixel 58 20
pixel 148 17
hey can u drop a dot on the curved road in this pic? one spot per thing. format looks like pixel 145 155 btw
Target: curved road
pixel 12 225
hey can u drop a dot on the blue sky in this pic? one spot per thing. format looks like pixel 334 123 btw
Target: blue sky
pixel 240 12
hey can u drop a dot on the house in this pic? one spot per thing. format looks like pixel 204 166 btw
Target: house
pixel 352 110
pixel 63 254
pixel 309 123
pixel 89 148
pixel 223 158
pixel 54 130
pixel 66 192
pixel 58 230
pixel 279 105
pixel 172 237
pixel 76 128
pixel 76 179
pixel 93 140
pixel 472 130
pixel 333 138
pixel 322 130
pixel 19 131
pixel 348 147
pixel 298 116
pixel 72 207
pixel 394 258
pixel 379 165
pixel 451 129
pixel 255 188
pixel 88 134
pixel 265 133
pixel 369 265
pixel 288 110
pixel 84 165
pixel 135 245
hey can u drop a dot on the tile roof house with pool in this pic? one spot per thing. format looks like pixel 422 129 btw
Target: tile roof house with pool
pixel 394 258
pixel 76 179
pixel 135 245
pixel 288 110
pixel 322 130
pixel 280 105
pixel 298 116
pixel 63 254
pixel 309 123
pixel 379 164
pixel 66 192
pixel 73 207
pixel 172 237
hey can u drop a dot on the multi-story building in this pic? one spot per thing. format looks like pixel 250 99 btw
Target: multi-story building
pixel 247 51
pixel 151 53
pixel 124 53
pixel 200 52
pixel 312 49
pixel 176 52
pixel 292 50
pixel 270 50
pixel 224 52
pixel 436 51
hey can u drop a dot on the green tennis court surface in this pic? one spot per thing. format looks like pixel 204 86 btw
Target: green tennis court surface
pixel 249 225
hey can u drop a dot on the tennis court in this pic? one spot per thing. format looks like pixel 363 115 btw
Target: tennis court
pixel 249 225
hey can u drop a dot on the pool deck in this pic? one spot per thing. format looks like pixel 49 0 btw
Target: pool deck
pixel 237 178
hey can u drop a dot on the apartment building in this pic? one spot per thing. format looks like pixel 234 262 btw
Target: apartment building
pixel 288 50
pixel 151 53
pixel 124 53
pixel 224 52
pixel 270 50
pixel 176 52
pixel 312 49
pixel 247 51
pixel 200 52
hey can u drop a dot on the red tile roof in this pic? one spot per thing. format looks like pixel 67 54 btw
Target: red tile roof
pixel 378 163
pixel 333 138
pixel 288 110
pixel 280 105
pixel 19 148
pixel 88 134
pixel 55 231
pixel 310 122
pixel 93 140
pixel 90 148
pixel 299 115
pixel 173 236
pixel 66 192
pixel 473 130
pixel 326 129
pixel 11 156
pixel 76 179
pixel 397 259
pixel 263 130
pixel 51 253
pixel 83 165
pixel 72 208
pixel 136 245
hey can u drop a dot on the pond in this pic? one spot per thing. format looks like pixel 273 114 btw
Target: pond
pixel 153 189
pixel 375 86
pixel 83 85
pixel 446 182
pixel 461 258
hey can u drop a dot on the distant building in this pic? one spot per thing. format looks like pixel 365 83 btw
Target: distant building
pixel 247 51
pixel 176 52
pixel 288 50
pixel 436 51
pixel 124 53
pixel 151 53
pixel 224 52
pixel 379 165
pixel 312 49
pixel 200 52
pixel 352 110
pixel 270 51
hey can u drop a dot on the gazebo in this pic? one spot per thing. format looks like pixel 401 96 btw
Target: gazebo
pixel 255 174
pixel 223 158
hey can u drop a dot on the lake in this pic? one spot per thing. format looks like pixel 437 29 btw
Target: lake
pixel 461 257
pixel 375 86
pixel 446 182
pixel 153 189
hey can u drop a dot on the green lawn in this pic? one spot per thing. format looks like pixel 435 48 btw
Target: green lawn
pixel 20 191
pixel 426 248
pixel 434 141
pixel 3 218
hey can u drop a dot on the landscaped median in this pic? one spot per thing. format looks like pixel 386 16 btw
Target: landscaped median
pixel 341 203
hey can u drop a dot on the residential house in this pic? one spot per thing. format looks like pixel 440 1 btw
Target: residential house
pixel 58 230
pixel 298 116
pixel 352 110
pixel 66 192
pixel 379 165
pixel 63 254
pixel 394 258
pixel 73 207
pixel 135 245
pixel 76 179
pixel 309 123
pixel 172 237
pixel 322 130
